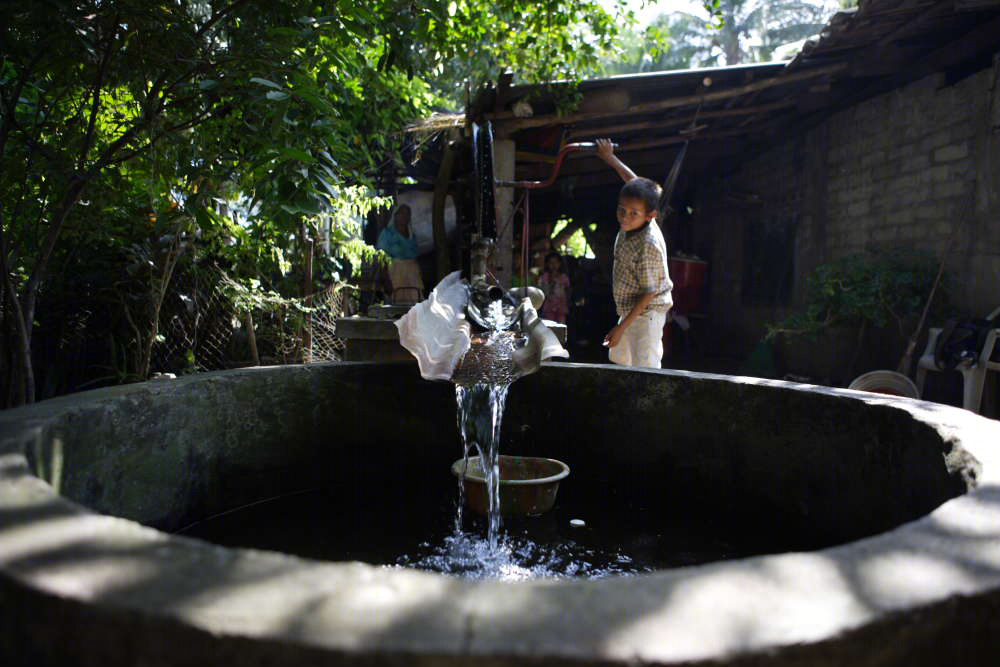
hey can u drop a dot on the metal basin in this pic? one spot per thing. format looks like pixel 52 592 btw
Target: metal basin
pixel 528 484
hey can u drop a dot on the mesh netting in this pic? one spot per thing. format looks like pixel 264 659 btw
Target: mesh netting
pixel 290 331
pixel 196 322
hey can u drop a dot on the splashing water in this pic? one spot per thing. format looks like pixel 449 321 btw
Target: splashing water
pixel 482 380
pixel 480 411
pixel 515 558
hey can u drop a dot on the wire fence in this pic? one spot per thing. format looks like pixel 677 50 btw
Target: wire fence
pixel 204 329
pixel 87 336
pixel 196 322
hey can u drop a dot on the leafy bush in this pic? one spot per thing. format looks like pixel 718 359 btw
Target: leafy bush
pixel 865 289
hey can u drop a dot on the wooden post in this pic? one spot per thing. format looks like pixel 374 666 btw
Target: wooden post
pixel 501 264
pixel 307 281
pixel 252 337
pixel 441 186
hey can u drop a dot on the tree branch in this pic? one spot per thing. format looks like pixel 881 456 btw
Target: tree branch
pixel 96 102
pixel 108 161
pixel 23 334
pixel 69 200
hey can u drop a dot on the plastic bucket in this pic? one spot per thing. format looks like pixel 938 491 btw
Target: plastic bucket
pixel 688 277
pixel 886 382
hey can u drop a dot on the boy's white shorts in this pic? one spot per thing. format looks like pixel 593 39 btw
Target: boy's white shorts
pixel 642 342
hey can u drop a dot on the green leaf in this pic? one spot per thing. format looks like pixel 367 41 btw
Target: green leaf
pixel 265 82
pixel 296 154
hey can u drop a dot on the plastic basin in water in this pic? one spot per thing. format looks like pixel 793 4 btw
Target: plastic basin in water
pixel 528 484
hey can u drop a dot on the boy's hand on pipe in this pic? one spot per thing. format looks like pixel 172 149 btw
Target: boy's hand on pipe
pixel 605 149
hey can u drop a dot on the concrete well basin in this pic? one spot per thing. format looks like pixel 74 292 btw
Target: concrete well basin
pixel 880 518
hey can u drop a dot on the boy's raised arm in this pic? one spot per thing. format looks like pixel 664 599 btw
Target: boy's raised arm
pixel 606 151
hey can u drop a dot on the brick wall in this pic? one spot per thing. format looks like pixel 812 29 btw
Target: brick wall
pixel 917 167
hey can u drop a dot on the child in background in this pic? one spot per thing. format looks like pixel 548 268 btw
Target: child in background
pixel 640 281
pixel 555 283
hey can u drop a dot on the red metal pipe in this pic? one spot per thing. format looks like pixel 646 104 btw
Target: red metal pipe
pixel 563 152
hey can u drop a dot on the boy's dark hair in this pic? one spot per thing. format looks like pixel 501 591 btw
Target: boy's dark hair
pixel 553 253
pixel 646 190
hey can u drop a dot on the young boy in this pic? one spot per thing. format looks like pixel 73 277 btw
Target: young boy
pixel 640 281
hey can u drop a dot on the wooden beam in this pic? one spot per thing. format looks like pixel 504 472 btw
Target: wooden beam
pixel 654 162
pixel 907 27
pixel 683 120
pixel 670 141
pixel 669 103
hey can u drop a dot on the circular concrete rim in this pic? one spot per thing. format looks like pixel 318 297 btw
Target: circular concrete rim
pixel 937 567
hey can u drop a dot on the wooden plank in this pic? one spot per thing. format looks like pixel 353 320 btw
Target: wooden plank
pixel 679 139
pixel 680 120
pixel 907 27
pixel 671 103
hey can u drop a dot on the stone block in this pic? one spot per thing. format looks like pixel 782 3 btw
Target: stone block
pixel 858 208
pixel 949 189
pixel 962 131
pixel 884 234
pixel 909 196
pixel 952 152
pixel 881 172
pixel 907 181
pixel 935 140
pixel 928 211
pixel 935 174
pixel 903 216
pixel 901 150
pixel 914 163
pixel 872 158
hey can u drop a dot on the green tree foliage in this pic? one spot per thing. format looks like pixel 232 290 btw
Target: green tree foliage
pixel 539 42
pixel 133 132
pixel 731 33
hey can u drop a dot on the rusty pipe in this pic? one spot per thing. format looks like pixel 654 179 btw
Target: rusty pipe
pixel 581 146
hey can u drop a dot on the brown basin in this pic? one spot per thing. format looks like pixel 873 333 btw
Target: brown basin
pixel 528 484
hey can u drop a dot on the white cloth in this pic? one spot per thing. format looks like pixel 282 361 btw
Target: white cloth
pixel 642 342
pixel 435 330
pixel 542 344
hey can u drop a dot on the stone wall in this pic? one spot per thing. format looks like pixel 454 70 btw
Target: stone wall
pixel 916 167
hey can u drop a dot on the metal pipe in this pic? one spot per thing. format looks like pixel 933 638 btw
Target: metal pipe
pixel 582 146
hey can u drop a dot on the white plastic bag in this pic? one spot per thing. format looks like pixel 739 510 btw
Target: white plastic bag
pixel 435 330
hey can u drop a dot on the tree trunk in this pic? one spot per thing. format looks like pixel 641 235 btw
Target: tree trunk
pixel 24 373
pixel 169 263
